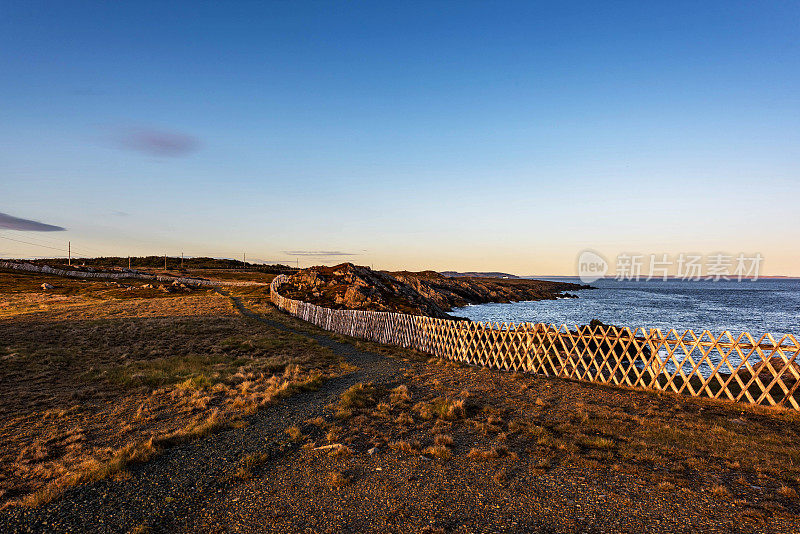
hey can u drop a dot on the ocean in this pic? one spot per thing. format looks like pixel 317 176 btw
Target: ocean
pixel 767 305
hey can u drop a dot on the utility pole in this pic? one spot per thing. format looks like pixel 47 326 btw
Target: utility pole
pixel 129 263
pixel 69 252
pixel 165 262
pixel 244 259
pixel 181 261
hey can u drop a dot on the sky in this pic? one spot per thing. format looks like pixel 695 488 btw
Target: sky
pixel 473 136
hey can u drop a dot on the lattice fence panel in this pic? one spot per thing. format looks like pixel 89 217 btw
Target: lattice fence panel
pixel 764 371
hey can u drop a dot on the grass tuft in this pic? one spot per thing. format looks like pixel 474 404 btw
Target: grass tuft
pixel 358 396
pixel 338 479
pixel 408 447
pixel 438 451
pixel 294 433
pixel 443 439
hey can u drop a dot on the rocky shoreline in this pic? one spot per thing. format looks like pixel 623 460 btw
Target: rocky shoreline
pixel 348 286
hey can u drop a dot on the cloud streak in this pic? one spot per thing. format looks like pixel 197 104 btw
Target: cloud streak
pixel 9 222
pixel 317 253
pixel 155 142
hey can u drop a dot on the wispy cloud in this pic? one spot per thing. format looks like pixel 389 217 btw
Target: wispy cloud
pixel 318 253
pixel 155 142
pixel 10 222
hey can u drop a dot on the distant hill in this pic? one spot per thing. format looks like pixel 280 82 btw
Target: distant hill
pixel 456 274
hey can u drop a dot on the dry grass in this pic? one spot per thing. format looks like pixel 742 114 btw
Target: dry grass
pixel 343 452
pixel 92 371
pixel 438 451
pixel 404 418
pixel 443 440
pixel 512 423
pixel 407 447
pixel 294 433
pixel 400 394
pixel 358 396
pixel 338 479
pixel 486 454
pixel 719 490
pixel 598 442
pixel 443 408
pixel 254 460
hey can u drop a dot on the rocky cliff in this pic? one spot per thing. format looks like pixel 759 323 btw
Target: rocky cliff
pixel 423 293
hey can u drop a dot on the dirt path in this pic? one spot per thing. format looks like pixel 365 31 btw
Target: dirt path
pixel 161 493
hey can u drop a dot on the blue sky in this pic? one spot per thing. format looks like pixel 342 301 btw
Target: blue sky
pixel 445 135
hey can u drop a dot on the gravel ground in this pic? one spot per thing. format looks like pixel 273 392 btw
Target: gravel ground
pixel 161 494
pixel 197 487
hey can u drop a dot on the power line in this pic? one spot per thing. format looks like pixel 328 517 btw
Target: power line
pixel 34 244
pixel 79 253
pixel 81 250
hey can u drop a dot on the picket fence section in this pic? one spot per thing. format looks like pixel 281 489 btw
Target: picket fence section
pixel 759 370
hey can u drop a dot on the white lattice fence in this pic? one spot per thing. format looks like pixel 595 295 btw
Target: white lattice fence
pixel 762 371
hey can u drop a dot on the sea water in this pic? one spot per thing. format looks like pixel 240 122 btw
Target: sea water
pixel 767 305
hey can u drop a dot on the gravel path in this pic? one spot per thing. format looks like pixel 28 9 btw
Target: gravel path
pixel 161 493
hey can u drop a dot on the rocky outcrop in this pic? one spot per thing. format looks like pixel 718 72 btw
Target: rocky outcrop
pixel 449 293
pixel 425 293
pixel 358 288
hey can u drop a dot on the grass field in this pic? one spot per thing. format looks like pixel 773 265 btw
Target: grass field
pixel 96 375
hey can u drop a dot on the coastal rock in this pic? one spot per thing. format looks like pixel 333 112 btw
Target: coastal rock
pixel 425 293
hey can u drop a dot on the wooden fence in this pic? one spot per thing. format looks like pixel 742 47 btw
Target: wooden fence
pixel 759 371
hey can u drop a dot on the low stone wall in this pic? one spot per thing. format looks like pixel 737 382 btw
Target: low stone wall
pixel 125 274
